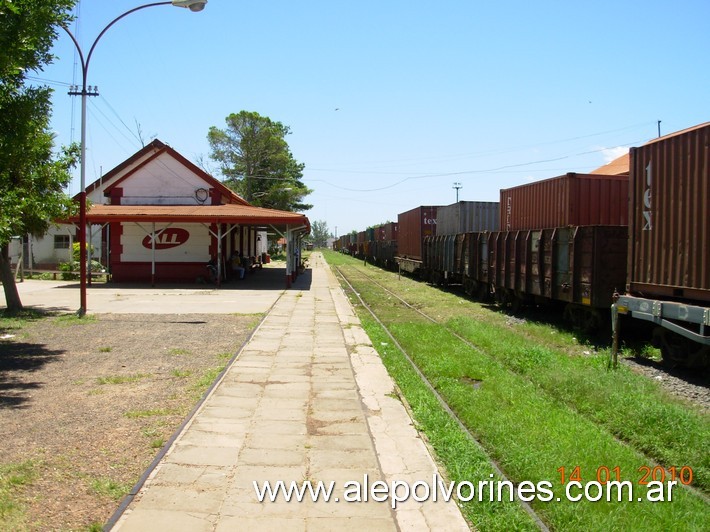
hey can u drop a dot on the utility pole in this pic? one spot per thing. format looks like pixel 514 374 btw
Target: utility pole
pixel 457 186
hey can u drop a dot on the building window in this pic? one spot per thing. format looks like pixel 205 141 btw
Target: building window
pixel 61 241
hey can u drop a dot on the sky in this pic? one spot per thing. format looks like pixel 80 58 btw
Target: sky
pixel 391 104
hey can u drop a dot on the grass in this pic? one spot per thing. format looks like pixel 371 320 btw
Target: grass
pixel 107 487
pixel 13 477
pixel 177 351
pixel 539 405
pixel 72 319
pixel 15 319
pixel 202 384
pixel 181 373
pixel 154 412
pixel 122 379
pixel 464 460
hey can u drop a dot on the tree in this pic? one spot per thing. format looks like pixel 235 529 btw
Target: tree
pixel 32 179
pixel 320 233
pixel 257 163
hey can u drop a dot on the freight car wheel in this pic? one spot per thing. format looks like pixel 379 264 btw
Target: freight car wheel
pixel 583 318
pixel 469 287
pixel 678 351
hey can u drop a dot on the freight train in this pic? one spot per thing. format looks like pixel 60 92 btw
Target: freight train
pixel 637 242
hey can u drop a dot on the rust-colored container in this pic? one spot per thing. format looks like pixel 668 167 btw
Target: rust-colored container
pixel 669 226
pixel 413 227
pixel 389 231
pixel 570 199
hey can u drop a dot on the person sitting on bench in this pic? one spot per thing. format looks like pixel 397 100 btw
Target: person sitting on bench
pixel 237 268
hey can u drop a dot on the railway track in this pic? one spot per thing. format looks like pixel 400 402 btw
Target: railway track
pixel 530 511
pixel 355 274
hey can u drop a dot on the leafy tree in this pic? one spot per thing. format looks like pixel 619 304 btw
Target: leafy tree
pixel 319 233
pixel 31 177
pixel 257 163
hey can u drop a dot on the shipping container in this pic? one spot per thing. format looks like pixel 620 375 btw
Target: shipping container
pixel 669 225
pixel 413 226
pixel 468 216
pixel 570 199
pixel 389 231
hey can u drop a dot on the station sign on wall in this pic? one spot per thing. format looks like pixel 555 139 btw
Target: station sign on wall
pixel 171 237
pixel 183 243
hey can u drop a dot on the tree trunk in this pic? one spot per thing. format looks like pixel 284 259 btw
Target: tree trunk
pixel 12 296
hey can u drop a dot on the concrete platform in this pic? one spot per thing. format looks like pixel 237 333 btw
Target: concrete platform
pixel 307 399
pixel 254 295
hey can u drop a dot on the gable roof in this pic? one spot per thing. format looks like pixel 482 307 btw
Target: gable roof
pixel 619 166
pixel 235 210
pixel 148 154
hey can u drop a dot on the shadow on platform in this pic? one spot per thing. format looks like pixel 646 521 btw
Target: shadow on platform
pixel 259 279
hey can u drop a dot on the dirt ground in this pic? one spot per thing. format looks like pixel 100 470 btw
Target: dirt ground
pixel 85 406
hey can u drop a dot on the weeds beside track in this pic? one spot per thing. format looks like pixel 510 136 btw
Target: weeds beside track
pixel 534 407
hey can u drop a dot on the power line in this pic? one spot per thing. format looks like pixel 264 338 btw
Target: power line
pixel 463 172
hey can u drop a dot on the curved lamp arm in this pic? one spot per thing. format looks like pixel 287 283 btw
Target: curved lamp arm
pixel 192 5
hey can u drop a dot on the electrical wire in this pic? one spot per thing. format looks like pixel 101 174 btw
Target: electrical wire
pixel 464 172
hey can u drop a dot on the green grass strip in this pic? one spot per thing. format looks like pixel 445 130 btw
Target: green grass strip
pixel 13 478
pixel 462 458
pixel 529 431
pixel 630 406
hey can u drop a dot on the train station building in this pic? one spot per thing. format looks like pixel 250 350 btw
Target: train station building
pixel 159 218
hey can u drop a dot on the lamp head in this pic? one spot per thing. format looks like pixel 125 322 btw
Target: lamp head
pixel 192 5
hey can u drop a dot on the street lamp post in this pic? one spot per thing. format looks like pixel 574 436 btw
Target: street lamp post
pixel 192 5
pixel 457 186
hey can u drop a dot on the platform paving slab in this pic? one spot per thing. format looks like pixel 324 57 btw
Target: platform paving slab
pixel 307 398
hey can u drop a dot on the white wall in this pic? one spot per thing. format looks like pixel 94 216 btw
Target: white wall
pixel 43 251
pixel 194 249
pixel 165 181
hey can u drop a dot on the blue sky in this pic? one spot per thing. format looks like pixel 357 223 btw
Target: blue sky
pixel 391 102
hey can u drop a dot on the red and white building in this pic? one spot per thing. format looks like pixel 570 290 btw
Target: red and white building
pixel 161 218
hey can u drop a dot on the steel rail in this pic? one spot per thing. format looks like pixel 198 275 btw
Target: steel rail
pixel 474 347
pixel 535 517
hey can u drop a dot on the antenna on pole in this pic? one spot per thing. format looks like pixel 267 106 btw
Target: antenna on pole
pixel 457 186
